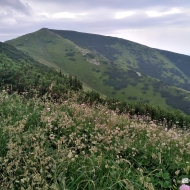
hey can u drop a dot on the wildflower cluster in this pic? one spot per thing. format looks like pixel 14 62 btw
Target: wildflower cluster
pixel 76 146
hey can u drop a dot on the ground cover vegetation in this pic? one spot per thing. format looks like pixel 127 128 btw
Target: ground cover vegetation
pixel 54 135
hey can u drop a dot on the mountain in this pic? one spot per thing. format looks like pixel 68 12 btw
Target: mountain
pixel 55 135
pixel 72 144
pixel 166 66
pixel 114 67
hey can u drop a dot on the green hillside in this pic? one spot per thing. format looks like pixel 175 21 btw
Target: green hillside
pixel 18 56
pixel 33 81
pixel 166 66
pixel 53 135
pixel 114 67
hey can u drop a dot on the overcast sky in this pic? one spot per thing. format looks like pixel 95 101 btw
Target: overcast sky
pixel 162 24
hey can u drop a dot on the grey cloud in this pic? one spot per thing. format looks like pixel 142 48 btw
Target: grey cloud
pixel 139 20
pixel 100 18
pixel 16 5
pixel 117 4
pixel 95 24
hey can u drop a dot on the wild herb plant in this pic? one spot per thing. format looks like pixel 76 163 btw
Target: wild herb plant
pixel 73 145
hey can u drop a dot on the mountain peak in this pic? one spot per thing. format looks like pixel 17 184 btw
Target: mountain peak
pixel 110 65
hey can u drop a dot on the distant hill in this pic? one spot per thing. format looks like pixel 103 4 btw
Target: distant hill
pixel 114 67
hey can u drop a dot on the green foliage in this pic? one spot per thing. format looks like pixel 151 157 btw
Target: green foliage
pixel 90 55
pixel 72 59
pixel 69 145
pixel 3 142
pixel 30 81
pixel 155 63
pixel 169 118
pixel 91 97
pixel 119 78
pixel 177 101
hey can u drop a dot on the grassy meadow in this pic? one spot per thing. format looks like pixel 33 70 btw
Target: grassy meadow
pixel 74 145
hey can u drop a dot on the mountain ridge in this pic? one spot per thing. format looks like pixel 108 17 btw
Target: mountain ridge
pixel 112 66
pixel 78 39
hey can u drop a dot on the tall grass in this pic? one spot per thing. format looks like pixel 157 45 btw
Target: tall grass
pixel 47 145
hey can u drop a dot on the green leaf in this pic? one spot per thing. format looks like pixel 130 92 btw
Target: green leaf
pixel 166 175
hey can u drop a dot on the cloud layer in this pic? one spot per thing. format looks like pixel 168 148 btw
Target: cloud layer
pixel 159 24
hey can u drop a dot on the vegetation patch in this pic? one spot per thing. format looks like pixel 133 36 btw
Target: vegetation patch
pixel 70 54
pixel 76 146
pixel 54 135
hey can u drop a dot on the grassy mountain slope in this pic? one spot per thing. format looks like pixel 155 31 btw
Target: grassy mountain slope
pixel 166 66
pixel 18 56
pixel 53 135
pixel 59 53
pixel 112 66
pixel 181 61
